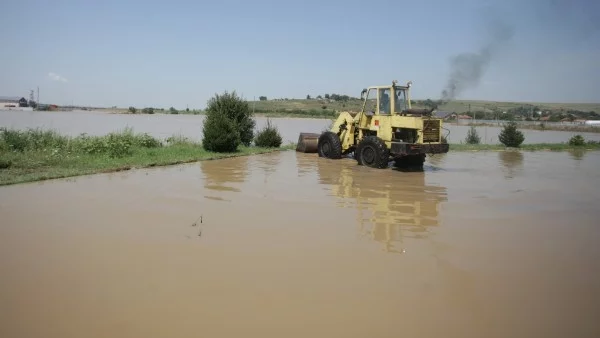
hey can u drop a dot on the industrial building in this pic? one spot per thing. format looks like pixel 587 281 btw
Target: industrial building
pixel 13 102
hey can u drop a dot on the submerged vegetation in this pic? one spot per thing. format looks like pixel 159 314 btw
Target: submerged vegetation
pixel 35 154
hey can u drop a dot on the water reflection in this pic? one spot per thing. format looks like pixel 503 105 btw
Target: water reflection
pixel 267 163
pixel 436 160
pixel 218 173
pixel 389 205
pixel 577 154
pixel 305 163
pixel 512 162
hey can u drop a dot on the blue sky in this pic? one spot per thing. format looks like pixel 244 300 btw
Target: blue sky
pixel 180 53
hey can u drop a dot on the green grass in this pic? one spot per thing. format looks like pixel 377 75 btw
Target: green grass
pixel 34 155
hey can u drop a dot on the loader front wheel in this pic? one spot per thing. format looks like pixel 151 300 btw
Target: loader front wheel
pixel 329 145
pixel 372 152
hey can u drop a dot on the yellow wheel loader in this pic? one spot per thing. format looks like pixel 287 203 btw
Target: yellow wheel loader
pixel 386 129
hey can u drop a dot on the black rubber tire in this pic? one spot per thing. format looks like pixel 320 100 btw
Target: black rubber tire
pixel 329 145
pixel 372 152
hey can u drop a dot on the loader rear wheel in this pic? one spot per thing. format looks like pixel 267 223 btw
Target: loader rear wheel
pixel 329 145
pixel 372 152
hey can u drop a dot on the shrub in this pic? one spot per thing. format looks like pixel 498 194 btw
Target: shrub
pixel 577 140
pixel 510 136
pixel 220 133
pixel 148 110
pixel 92 144
pixel 472 136
pixel 132 110
pixel 172 110
pixel 14 140
pixel 119 144
pixel 5 164
pixel 146 141
pixel 31 139
pixel 236 110
pixel 116 144
pixel 268 137
pixel 179 140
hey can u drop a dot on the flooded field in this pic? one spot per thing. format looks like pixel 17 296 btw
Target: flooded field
pixel 163 126
pixel 494 244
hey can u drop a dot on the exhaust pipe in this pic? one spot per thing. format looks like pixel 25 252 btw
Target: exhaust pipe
pixel 307 142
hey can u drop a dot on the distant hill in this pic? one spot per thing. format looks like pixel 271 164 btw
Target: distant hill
pixel 458 106
pixel 327 107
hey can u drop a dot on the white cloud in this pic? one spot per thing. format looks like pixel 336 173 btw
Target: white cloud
pixel 56 77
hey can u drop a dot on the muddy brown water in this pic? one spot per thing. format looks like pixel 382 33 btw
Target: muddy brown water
pixel 164 125
pixel 494 244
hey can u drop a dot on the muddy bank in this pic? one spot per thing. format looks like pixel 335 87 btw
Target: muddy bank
pixel 479 245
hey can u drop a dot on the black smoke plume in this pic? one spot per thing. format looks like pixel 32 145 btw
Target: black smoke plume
pixel 467 69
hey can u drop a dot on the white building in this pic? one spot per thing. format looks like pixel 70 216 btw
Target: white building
pixel 7 102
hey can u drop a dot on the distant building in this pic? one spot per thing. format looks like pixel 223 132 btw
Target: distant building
pixel 443 114
pixel 13 102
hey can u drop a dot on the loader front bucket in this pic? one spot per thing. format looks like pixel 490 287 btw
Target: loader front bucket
pixel 307 142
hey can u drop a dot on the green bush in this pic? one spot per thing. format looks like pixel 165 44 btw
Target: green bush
pixel 236 110
pixel 132 110
pixel 268 137
pixel 179 140
pixel 92 144
pixel 472 136
pixel 5 164
pixel 510 136
pixel 32 139
pixel 220 133
pixel 116 144
pixel 119 144
pixel 147 141
pixel 577 140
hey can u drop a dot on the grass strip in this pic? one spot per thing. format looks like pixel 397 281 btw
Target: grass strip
pixel 35 155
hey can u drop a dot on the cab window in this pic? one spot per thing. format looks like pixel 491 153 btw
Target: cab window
pixel 385 107
pixel 400 103
pixel 371 101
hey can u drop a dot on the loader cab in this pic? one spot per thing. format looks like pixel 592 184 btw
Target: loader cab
pixel 385 100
